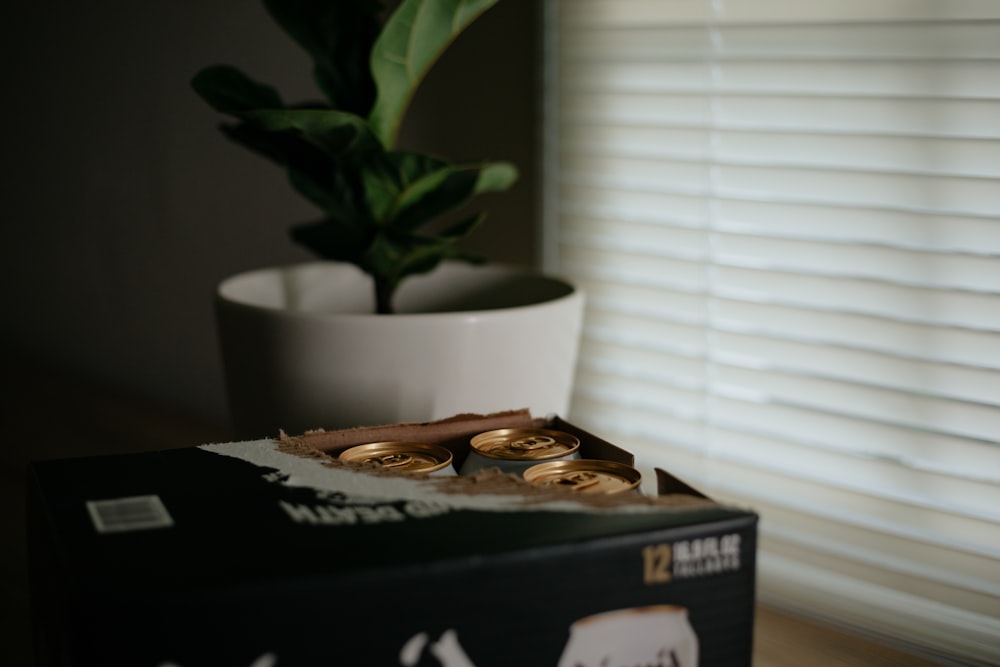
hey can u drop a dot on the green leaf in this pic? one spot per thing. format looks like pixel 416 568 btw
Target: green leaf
pixel 463 228
pixel 330 184
pixel 387 176
pixel 412 40
pixel 495 177
pixel 447 189
pixel 338 36
pixel 406 190
pixel 335 132
pixel 434 195
pixel 334 192
pixel 283 148
pixel 396 256
pixel 381 188
pixel 228 90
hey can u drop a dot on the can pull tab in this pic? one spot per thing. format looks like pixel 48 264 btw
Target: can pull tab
pixel 532 443
pixel 392 460
pixel 578 480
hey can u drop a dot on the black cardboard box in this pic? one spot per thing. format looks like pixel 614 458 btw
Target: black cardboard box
pixel 268 554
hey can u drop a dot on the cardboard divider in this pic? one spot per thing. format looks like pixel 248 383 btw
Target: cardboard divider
pixel 668 485
pixel 592 447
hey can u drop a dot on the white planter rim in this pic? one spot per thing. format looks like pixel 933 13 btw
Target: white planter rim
pixel 235 290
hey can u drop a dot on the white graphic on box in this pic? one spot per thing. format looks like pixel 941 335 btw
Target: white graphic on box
pixel 657 636
pixel 706 556
pixel 653 636
pixel 447 650
pixel 266 660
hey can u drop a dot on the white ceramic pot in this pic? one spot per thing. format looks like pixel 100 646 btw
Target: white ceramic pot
pixel 302 348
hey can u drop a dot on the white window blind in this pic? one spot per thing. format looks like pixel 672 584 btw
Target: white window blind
pixel 786 216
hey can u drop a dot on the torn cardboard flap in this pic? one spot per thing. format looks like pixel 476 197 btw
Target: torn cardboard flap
pixel 454 433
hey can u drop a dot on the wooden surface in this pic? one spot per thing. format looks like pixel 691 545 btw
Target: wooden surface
pixel 785 640
pixel 49 413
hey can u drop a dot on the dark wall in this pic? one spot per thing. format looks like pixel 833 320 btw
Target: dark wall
pixel 123 205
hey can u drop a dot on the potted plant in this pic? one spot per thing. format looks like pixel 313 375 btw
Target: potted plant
pixel 396 322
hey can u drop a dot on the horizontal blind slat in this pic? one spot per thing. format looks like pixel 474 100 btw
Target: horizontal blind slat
pixel 687 173
pixel 967 312
pixel 919 449
pixel 904 192
pixel 860 473
pixel 678 207
pixel 861 297
pixel 916 376
pixel 783 291
pixel 904 116
pixel 900 155
pixel 974 80
pixel 661 271
pixel 622 359
pixel 902 229
pixel 895 154
pixel 643 237
pixel 647 337
pixel 966 40
pixel 849 399
pixel 933 270
pixel 680 12
pixel 606 297
pixel 940 270
pixel 878 333
pixel 842 224
pixel 915 370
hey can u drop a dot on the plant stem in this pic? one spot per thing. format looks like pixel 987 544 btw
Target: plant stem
pixel 383 296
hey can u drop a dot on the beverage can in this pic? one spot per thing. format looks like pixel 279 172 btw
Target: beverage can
pixel 585 476
pixel 402 457
pixel 515 450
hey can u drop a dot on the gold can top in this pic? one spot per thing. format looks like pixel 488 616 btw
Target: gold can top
pixel 517 444
pixel 585 476
pixel 405 457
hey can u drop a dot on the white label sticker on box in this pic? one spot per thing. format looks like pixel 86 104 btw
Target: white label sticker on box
pixel 120 515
